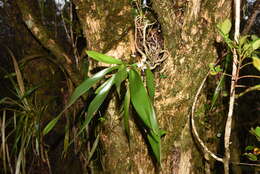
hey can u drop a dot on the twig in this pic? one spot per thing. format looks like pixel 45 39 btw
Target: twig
pixel 228 126
pixel 193 127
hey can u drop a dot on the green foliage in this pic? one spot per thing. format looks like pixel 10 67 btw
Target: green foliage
pixel 225 27
pixel 137 95
pixel 247 52
pixel 252 152
pixel 246 48
pixel 20 129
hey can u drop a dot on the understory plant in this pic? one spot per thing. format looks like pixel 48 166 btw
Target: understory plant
pixel 242 51
pixel 253 151
pixel 139 95
pixel 20 123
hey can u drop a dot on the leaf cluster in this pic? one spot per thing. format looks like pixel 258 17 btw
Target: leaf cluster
pixel 137 94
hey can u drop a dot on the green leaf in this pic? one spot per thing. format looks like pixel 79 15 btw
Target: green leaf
pixel 155 145
pixel 256 44
pixel 225 26
pixel 217 91
pixel 251 156
pixel 243 40
pixel 141 101
pixel 249 148
pixel 256 63
pixel 97 102
pixel 126 113
pixel 252 88
pixel 257 131
pixel 162 132
pixel 87 84
pixel 50 125
pixel 150 83
pixel 103 58
pixel 254 37
pixel 30 91
pixel 2 100
pixel 121 76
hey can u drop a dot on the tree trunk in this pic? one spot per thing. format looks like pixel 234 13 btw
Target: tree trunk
pixel 189 33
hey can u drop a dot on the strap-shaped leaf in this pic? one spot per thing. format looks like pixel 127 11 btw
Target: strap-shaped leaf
pixel 121 75
pixel 103 58
pixel 51 125
pixel 97 101
pixel 79 91
pixel 150 83
pixel 155 145
pixel 87 84
pixel 126 113
pixel 141 101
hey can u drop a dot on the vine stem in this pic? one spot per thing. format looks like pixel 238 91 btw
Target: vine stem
pixel 193 127
pixel 228 127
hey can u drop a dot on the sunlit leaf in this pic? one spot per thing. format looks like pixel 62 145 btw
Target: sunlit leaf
pixel 257 131
pixel 225 26
pixel 126 113
pixel 256 44
pixel 162 133
pixel 150 83
pixel 243 40
pixel 254 37
pixel 141 101
pixel 97 102
pixel 256 63
pixel 103 58
pixel 87 84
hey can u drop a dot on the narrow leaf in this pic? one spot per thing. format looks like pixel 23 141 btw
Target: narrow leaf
pixel 150 83
pixel 121 76
pixel 87 84
pixel 93 149
pixel 156 147
pixel 126 113
pixel 103 58
pixel 141 101
pixel 253 88
pixel 97 101
pixel 217 91
pixel 50 125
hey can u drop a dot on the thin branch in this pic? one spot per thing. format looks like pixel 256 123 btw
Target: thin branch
pixel 228 127
pixel 248 76
pixel 193 127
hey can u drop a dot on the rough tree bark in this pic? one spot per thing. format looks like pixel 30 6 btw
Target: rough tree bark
pixel 189 32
